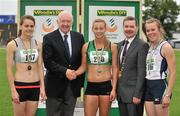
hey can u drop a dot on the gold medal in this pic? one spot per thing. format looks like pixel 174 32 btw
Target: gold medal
pixel 120 73
pixel 122 67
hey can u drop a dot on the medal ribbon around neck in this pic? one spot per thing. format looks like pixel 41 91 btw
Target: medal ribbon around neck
pixel 160 41
pixel 152 52
pixel 29 67
pixel 99 70
pixel 99 56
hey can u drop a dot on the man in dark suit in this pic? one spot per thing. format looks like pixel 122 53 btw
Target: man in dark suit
pixel 62 55
pixel 132 61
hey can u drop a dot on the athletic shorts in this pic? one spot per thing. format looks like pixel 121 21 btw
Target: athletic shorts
pixel 155 90
pixel 28 91
pixel 98 88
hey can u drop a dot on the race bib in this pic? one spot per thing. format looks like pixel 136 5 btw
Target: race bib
pixel 151 64
pixel 96 58
pixel 29 55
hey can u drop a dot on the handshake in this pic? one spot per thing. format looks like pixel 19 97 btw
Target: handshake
pixel 71 74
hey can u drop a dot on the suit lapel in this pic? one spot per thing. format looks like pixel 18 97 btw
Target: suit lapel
pixel 131 47
pixel 120 47
pixel 73 41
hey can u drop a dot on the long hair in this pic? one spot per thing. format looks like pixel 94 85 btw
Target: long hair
pixel 22 21
pixel 159 25
pixel 99 21
pixel 107 42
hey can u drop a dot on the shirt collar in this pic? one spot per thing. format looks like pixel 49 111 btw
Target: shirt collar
pixel 64 34
pixel 130 40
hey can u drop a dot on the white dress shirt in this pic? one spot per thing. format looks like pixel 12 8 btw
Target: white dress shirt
pixel 68 40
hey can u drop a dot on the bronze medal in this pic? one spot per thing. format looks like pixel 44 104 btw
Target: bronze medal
pixel 28 59
pixel 29 67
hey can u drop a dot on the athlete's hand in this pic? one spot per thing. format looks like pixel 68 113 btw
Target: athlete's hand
pixel 15 97
pixel 112 95
pixel 70 74
pixel 43 96
pixel 166 101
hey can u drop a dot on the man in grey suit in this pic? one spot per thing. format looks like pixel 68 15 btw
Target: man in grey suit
pixel 132 61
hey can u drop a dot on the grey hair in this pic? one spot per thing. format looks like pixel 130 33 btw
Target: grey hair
pixel 65 12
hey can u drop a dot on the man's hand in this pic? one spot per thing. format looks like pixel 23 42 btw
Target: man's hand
pixel 70 74
pixel 136 100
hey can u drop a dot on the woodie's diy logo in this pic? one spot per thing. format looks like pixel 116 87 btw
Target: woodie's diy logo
pixel 47 25
pixel 112 26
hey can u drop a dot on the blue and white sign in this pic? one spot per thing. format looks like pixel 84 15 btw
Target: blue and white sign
pixel 7 19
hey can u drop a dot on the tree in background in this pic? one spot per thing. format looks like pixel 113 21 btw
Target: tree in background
pixel 166 11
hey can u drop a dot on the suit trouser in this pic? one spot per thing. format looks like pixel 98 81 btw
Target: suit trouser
pixel 61 106
pixel 128 109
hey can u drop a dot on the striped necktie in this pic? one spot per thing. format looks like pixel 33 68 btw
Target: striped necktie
pixel 124 51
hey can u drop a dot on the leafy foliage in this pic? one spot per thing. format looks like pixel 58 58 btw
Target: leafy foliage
pixel 166 11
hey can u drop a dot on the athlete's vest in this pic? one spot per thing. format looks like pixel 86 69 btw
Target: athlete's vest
pixel 156 64
pixel 23 55
pixel 93 55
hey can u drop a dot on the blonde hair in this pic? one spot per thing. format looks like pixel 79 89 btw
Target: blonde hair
pixel 99 21
pixel 107 42
pixel 159 25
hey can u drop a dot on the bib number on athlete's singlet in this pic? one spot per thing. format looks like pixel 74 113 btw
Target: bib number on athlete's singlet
pixel 29 55
pixel 94 58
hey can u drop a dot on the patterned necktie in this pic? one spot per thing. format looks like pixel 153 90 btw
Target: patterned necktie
pixel 124 51
pixel 66 45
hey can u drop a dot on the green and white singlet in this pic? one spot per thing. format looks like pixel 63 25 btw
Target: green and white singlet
pixel 94 56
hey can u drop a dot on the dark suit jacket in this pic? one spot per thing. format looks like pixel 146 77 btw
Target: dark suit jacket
pixel 131 83
pixel 56 62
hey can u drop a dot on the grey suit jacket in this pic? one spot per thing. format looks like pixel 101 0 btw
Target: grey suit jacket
pixel 131 83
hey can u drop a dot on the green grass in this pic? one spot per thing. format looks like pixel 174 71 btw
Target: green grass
pixel 175 102
pixel 5 95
